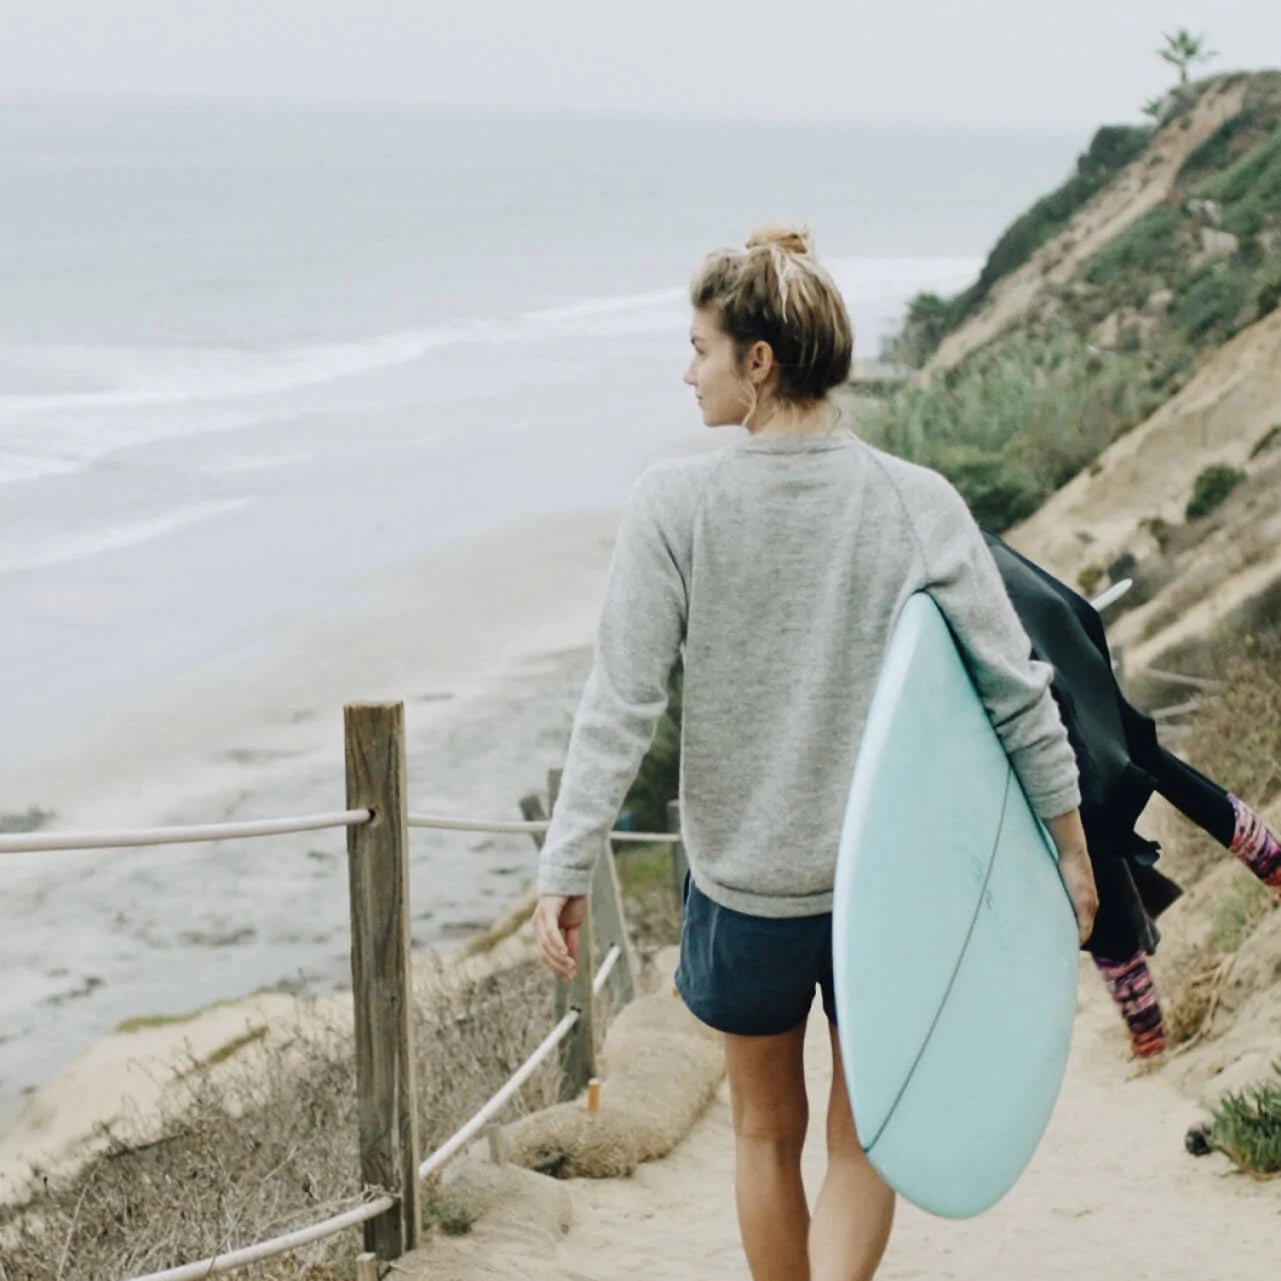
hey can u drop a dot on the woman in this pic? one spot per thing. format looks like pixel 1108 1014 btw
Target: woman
pixel 779 566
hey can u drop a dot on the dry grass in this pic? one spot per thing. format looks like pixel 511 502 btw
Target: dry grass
pixel 263 1140
pixel 1238 736
pixel 1237 742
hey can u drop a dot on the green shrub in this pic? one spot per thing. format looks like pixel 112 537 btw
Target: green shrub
pixel 1212 486
pixel 1144 247
pixel 1217 152
pixel 1255 176
pixel 999 491
pixel 1013 423
pixel 1269 296
pixel 1246 1126
pixel 1214 306
pixel 929 320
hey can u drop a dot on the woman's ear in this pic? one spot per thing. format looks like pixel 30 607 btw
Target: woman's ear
pixel 760 363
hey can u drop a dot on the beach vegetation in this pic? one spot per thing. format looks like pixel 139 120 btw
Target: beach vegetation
pixel 1246 1126
pixel 930 318
pixel 1014 422
pixel 1211 488
pixel 260 1138
pixel 32 819
pixel 1267 442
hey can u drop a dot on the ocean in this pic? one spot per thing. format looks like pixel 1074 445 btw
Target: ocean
pixel 253 354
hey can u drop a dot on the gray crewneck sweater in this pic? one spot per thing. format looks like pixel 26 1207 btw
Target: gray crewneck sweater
pixel 780 566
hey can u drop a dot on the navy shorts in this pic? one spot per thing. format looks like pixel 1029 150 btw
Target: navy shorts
pixel 752 975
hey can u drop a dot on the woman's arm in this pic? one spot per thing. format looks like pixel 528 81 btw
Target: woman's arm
pixel 641 628
pixel 963 579
pixel 1075 869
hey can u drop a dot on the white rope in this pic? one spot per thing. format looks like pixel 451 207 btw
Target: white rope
pixel 535 827
pixel 253 1253
pixel 1197 682
pixel 1181 709
pixel 1112 595
pixel 606 969
pixel 31 843
pixel 451 1147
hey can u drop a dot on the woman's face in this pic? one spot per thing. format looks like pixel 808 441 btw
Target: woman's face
pixel 714 374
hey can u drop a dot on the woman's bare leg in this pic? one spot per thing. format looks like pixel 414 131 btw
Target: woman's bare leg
pixel 855 1210
pixel 771 1113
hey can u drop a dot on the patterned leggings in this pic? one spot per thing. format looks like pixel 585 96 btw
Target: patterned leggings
pixel 1255 845
pixel 1130 983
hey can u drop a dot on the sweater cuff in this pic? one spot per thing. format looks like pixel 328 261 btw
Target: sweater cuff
pixel 572 882
pixel 1057 803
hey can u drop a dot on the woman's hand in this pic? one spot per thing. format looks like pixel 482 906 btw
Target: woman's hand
pixel 1075 869
pixel 558 922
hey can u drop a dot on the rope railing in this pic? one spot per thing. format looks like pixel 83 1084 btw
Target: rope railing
pixel 453 1145
pixel 378 855
pixel 47 842
pixel 606 969
pixel 437 1160
pixel 534 827
pixel 41 842
pixel 278 1245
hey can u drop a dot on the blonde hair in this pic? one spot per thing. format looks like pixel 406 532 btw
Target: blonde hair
pixel 774 291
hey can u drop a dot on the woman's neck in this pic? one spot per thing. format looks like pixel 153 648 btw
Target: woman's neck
pixel 791 420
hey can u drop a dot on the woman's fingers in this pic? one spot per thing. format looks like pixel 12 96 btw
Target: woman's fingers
pixel 551 941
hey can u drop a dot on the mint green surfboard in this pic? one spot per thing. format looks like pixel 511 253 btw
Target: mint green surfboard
pixel 954 941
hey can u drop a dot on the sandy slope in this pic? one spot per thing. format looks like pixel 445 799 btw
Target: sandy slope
pixel 1233 401
pixel 1110 1194
pixel 1139 189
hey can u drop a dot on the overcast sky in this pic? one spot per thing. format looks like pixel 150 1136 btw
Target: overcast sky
pixel 1036 63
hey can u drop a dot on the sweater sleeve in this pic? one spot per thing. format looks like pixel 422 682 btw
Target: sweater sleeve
pixel 641 628
pixel 1015 688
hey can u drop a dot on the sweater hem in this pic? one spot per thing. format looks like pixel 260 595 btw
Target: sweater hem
pixel 769 906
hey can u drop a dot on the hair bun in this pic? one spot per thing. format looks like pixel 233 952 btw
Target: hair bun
pixel 790 239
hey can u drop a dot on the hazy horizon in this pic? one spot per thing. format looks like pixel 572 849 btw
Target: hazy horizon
pixel 996 63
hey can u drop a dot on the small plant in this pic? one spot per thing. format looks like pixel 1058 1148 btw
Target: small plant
pixel 1211 487
pixel 449 1212
pixel 1182 50
pixel 1269 440
pixel 32 819
pixel 1089 579
pixel 1246 1126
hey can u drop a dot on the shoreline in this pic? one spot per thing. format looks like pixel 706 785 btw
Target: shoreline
pixel 487 641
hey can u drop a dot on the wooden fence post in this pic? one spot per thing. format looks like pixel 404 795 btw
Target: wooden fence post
pixel 609 926
pixel 378 868
pixel 680 863
pixel 578 1049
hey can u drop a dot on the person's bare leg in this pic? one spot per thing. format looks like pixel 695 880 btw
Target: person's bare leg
pixel 771 1112
pixel 855 1210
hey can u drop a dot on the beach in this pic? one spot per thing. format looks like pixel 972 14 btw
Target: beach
pixel 335 404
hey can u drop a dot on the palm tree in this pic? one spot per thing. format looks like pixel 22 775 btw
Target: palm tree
pixel 1183 49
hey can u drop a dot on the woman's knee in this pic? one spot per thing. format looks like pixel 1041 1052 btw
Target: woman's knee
pixel 767 1088
pixel 780 1122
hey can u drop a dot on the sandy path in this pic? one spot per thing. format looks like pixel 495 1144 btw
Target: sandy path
pixel 1110 1195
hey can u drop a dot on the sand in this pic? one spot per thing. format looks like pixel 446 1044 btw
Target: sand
pixel 1110 1194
